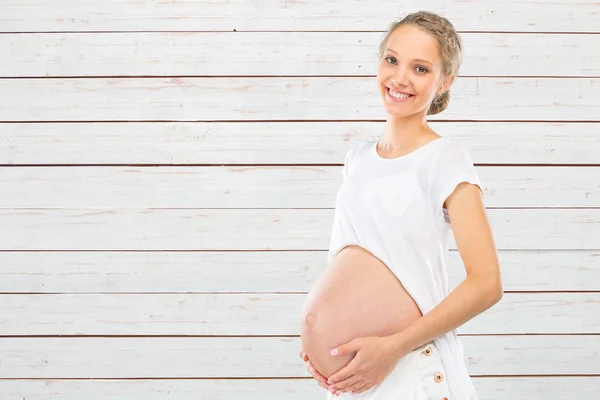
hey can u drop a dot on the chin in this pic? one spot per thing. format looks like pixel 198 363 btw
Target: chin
pixel 391 110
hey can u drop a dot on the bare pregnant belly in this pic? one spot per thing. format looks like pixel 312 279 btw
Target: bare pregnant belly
pixel 356 296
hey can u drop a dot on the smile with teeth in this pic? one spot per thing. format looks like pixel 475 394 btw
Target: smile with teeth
pixel 398 95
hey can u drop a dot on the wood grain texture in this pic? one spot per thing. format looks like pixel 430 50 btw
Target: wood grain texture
pixel 168 171
pixel 258 229
pixel 265 187
pixel 257 272
pixel 489 388
pixel 286 143
pixel 277 15
pixel 260 314
pixel 288 98
pixel 321 53
pixel 262 357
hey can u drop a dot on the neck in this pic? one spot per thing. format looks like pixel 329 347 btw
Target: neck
pixel 406 132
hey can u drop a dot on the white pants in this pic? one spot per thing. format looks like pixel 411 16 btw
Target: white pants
pixel 417 376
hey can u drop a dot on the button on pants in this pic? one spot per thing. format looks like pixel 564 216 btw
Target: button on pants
pixel 417 376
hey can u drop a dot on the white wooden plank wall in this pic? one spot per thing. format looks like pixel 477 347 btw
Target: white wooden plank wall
pixel 169 171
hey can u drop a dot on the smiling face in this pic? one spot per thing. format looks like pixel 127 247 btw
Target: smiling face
pixel 413 61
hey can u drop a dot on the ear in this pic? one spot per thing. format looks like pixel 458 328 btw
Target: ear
pixel 445 85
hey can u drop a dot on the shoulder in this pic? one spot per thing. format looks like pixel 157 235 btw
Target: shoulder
pixel 452 151
pixel 452 144
pixel 351 157
pixel 358 149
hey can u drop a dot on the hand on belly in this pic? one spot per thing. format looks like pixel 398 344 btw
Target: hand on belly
pixel 356 296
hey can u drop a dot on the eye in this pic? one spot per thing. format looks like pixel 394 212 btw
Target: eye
pixel 421 69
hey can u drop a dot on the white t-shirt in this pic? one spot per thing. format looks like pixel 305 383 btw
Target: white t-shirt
pixel 393 209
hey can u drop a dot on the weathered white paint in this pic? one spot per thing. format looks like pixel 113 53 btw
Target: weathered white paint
pixel 260 314
pixel 264 187
pixel 257 272
pixel 258 229
pixel 261 357
pixel 322 53
pixel 277 15
pixel 280 142
pixel 295 107
pixel 489 388
pixel 289 98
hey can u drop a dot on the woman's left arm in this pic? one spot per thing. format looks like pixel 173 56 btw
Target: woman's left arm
pixel 482 287
pixel 376 356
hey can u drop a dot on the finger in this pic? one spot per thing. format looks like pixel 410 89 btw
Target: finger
pixel 346 348
pixel 323 385
pixel 343 373
pixel 320 383
pixel 345 384
pixel 355 386
pixel 303 355
pixel 316 375
pixel 366 387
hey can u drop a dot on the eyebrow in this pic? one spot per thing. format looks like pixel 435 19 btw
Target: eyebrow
pixel 416 59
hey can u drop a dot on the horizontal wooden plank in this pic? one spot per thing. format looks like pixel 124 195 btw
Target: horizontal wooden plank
pixel 262 229
pixel 240 15
pixel 322 53
pixel 264 187
pixel 257 272
pixel 279 142
pixel 191 357
pixel 284 98
pixel 260 314
pixel 489 388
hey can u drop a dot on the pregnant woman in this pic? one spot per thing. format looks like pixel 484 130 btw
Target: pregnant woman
pixel 380 324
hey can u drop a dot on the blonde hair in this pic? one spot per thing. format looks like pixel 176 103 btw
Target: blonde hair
pixel 449 46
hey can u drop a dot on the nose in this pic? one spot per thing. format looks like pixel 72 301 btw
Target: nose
pixel 401 77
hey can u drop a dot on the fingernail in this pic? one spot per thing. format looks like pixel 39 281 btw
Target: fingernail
pixel 334 352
